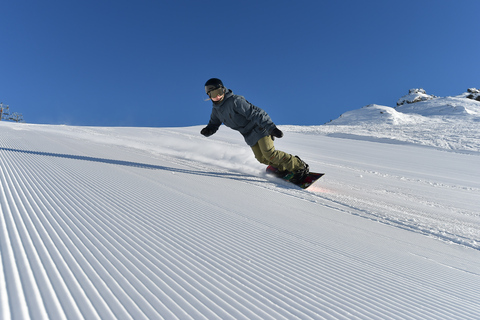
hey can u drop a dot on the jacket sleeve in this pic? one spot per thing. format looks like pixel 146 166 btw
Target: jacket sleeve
pixel 214 122
pixel 254 114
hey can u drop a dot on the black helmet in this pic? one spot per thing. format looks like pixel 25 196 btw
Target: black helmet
pixel 213 84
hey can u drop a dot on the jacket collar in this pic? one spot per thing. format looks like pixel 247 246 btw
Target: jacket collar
pixel 228 94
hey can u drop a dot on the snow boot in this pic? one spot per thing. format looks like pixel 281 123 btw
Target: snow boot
pixel 300 174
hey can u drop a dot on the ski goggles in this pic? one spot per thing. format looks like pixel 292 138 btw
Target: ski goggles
pixel 215 92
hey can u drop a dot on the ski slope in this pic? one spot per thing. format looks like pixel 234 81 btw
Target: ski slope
pixel 162 223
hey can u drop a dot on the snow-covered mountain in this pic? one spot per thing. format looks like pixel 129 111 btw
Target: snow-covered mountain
pixel 152 223
pixel 447 123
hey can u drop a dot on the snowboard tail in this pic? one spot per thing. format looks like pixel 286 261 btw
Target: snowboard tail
pixel 304 183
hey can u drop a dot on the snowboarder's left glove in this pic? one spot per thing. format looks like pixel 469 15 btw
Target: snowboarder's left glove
pixel 276 133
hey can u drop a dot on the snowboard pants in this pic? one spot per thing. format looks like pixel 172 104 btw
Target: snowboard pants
pixel 265 153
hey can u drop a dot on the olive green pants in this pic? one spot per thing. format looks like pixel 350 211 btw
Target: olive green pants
pixel 265 153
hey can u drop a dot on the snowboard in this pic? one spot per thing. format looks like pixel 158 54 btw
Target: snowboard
pixel 304 184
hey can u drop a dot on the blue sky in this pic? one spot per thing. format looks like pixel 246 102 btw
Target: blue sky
pixel 144 62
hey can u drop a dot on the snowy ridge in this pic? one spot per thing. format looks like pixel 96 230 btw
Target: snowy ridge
pixel 142 223
pixel 447 123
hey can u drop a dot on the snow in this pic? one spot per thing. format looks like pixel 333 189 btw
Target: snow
pixel 449 124
pixel 150 223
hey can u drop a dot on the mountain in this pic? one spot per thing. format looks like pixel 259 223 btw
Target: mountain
pixel 446 123
pixel 152 223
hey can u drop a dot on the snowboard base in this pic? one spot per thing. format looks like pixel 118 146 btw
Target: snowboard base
pixel 304 184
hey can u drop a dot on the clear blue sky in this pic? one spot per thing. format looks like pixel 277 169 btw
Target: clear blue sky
pixel 144 62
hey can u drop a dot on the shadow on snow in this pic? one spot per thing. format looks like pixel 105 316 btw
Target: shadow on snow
pixel 225 175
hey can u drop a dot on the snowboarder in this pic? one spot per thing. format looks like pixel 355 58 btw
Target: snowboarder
pixel 254 124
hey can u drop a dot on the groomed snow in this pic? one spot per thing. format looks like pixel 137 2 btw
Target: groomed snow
pixel 151 223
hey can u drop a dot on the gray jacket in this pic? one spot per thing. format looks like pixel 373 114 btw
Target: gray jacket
pixel 237 113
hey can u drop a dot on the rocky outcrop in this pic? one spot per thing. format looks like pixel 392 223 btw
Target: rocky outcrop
pixel 414 95
pixel 474 94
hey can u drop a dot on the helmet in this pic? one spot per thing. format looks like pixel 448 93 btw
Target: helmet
pixel 213 84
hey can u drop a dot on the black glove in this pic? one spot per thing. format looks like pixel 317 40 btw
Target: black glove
pixel 207 132
pixel 276 133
